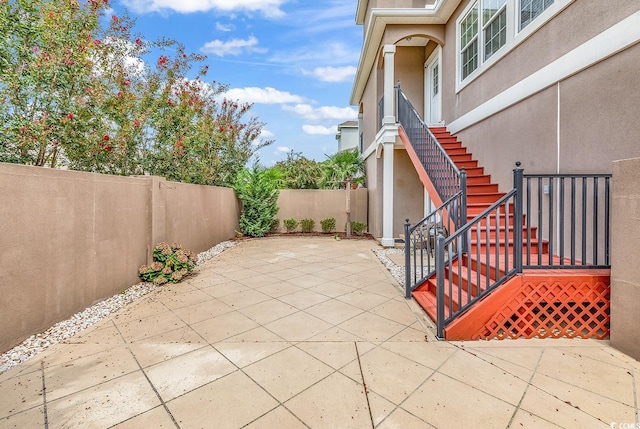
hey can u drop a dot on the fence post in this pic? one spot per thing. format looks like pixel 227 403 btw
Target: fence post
pixel 517 219
pixel 463 209
pixel 407 260
pixel 440 286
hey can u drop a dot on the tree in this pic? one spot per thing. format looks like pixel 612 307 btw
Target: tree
pixel 341 171
pixel 258 189
pixel 82 96
pixel 299 172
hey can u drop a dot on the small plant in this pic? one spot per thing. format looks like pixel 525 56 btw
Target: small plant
pixel 275 225
pixel 328 225
pixel 171 263
pixel 358 228
pixel 290 224
pixel 307 225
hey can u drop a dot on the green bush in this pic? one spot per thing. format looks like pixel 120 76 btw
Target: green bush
pixel 307 225
pixel 328 225
pixel 275 225
pixel 257 188
pixel 358 228
pixel 290 224
pixel 171 263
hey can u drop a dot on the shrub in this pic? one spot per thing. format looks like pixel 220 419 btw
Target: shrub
pixel 328 225
pixel 257 188
pixel 290 224
pixel 307 225
pixel 358 228
pixel 275 225
pixel 171 263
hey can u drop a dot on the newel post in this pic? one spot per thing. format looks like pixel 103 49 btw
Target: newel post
pixel 518 217
pixel 407 259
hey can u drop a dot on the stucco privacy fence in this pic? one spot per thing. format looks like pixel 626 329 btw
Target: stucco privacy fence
pixel 319 204
pixel 69 239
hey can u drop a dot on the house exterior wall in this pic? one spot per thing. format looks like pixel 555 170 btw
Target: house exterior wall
pixel 409 64
pixel 374 186
pixel 580 124
pixel 408 193
pixel 625 236
pixel 348 138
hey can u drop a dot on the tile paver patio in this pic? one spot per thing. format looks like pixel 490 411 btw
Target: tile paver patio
pixel 307 333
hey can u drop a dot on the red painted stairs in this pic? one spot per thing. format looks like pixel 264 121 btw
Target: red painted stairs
pixel 481 193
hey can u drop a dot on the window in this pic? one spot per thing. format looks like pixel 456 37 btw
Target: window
pixel 469 41
pixel 486 26
pixel 494 14
pixel 530 9
pixel 482 34
pixel 436 83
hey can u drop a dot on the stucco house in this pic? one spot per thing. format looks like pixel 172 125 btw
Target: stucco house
pixel 348 136
pixel 550 84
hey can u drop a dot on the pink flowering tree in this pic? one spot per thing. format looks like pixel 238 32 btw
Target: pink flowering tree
pixel 88 97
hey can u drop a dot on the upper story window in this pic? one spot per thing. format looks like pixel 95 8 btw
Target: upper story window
pixel 488 25
pixel 530 9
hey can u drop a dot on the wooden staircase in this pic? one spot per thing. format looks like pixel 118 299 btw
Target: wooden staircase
pixel 467 271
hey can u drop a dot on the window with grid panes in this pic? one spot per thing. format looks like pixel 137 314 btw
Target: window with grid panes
pixel 530 9
pixel 482 30
pixel 469 41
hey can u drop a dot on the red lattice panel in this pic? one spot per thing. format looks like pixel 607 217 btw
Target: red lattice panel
pixel 562 308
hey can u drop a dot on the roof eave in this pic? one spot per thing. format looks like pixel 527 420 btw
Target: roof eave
pixel 379 19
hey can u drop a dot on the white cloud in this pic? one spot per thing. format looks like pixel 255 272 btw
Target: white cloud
pixel 330 53
pixel 261 96
pixel 311 113
pixel 269 8
pixel 222 27
pixel 266 134
pixel 332 74
pixel 232 47
pixel 281 149
pixel 319 130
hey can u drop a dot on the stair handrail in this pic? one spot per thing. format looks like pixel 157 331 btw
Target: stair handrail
pixel 430 152
pixel 453 246
pixel 419 239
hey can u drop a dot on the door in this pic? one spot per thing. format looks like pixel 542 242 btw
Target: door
pixel 433 85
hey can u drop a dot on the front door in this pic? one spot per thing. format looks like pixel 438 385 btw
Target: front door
pixel 433 85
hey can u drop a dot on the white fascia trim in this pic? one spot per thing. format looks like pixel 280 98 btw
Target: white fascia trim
pixel 387 134
pixel 379 19
pixel 618 37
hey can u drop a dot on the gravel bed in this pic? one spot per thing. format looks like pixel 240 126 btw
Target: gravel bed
pixel 397 271
pixel 84 319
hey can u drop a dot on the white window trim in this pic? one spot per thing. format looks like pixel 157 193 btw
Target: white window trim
pixel 514 38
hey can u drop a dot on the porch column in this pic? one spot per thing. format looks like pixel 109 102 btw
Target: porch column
pixel 389 52
pixel 387 195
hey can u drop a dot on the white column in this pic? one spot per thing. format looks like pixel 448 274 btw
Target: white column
pixel 387 196
pixel 389 52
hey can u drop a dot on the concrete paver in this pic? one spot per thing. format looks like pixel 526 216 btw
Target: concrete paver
pixel 308 333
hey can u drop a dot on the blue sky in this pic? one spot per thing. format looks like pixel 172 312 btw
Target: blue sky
pixel 294 59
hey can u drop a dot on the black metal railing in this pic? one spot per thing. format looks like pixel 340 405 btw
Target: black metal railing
pixel 442 171
pixel 419 250
pixel 569 213
pixel 546 221
pixel 478 257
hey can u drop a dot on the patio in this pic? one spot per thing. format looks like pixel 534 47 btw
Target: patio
pixel 307 332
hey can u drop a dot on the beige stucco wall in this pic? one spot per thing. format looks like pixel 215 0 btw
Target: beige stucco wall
pixel 319 204
pixel 374 185
pixel 625 277
pixel 70 239
pixel 566 31
pixel 408 193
